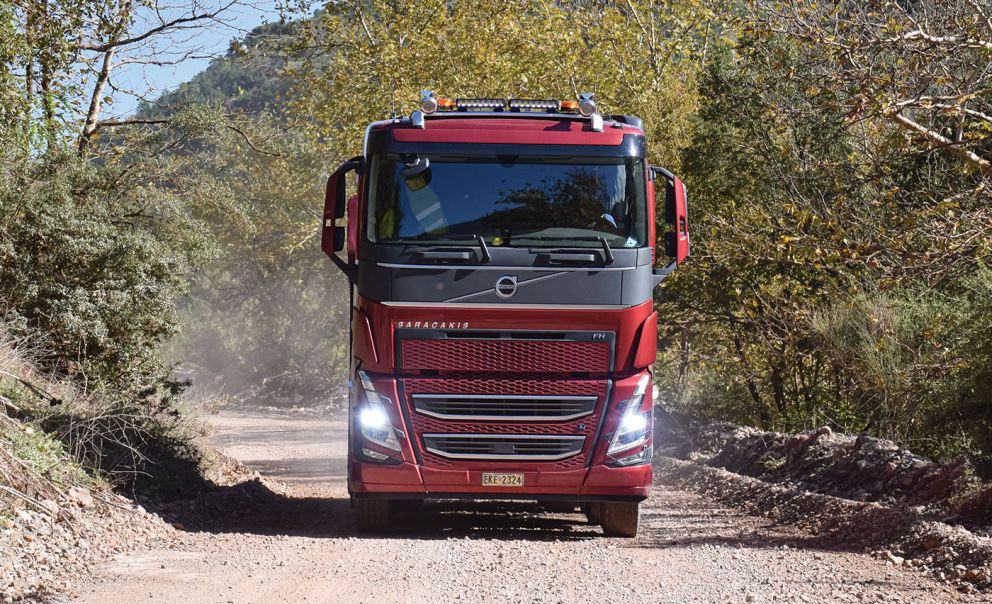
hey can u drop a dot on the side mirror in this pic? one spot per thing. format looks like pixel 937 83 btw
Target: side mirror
pixel 676 240
pixel 333 236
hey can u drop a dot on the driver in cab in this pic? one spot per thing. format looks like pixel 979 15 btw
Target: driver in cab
pixel 422 202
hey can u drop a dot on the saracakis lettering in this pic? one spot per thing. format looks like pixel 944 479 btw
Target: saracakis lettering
pixel 432 324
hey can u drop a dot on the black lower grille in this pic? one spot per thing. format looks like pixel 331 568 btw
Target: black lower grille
pixel 520 447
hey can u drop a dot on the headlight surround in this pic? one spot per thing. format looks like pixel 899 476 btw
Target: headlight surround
pixel 373 418
pixel 634 427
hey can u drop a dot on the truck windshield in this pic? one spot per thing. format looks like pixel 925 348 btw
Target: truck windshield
pixel 509 201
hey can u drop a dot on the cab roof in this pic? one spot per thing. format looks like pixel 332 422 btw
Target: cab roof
pixel 505 128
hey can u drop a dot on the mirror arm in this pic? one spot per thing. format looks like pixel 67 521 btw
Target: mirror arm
pixel 660 274
pixel 350 270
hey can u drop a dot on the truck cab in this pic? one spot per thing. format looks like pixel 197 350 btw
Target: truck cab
pixel 501 257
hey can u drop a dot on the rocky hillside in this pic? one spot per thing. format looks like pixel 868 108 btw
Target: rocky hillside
pixel 907 509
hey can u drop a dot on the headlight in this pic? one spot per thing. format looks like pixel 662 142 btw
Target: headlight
pixel 633 428
pixel 373 420
pixel 642 456
pixel 633 422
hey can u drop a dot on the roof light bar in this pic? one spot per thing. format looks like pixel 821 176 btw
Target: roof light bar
pixel 470 104
pixel 532 105
pixel 585 106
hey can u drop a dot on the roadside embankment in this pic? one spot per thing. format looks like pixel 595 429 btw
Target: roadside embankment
pixel 907 509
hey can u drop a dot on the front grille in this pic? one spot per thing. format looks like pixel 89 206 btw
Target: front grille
pixel 505 356
pixel 468 388
pixel 515 447
pixel 504 407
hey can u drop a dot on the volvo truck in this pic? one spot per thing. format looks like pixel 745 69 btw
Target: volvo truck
pixel 502 256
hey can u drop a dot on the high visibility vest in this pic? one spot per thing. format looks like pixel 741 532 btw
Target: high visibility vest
pixel 426 208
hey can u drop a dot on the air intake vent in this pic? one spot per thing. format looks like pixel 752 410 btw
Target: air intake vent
pixel 508 447
pixel 496 407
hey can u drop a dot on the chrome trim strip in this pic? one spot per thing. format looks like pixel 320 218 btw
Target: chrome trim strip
pixel 520 284
pixel 509 305
pixel 474 267
pixel 508 418
pixel 579 440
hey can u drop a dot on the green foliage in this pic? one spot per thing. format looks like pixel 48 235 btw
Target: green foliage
pixel 92 258
pixel 245 81
pixel 639 57
pixel 837 269
pixel 44 455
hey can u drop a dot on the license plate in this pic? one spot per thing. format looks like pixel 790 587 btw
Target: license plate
pixel 491 479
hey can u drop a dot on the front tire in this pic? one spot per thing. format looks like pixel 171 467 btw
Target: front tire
pixel 373 515
pixel 594 512
pixel 620 518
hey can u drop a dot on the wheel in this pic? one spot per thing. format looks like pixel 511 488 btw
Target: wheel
pixel 619 518
pixel 372 515
pixel 408 506
pixel 594 512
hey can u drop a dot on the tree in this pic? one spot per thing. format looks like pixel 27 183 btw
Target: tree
pixel 835 242
pixel 368 58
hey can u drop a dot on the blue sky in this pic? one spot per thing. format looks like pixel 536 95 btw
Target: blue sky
pixel 152 80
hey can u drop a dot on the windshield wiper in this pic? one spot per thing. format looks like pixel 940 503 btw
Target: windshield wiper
pixel 427 237
pixel 485 250
pixel 607 251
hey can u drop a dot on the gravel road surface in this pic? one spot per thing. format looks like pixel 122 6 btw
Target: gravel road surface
pixel 299 546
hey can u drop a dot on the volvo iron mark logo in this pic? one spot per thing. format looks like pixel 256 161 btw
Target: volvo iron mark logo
pixel 506 286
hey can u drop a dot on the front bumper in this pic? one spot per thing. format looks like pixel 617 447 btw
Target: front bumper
pixel 407 480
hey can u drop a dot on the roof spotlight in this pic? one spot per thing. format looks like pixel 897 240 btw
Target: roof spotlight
pixel 587 103
pixel 428 102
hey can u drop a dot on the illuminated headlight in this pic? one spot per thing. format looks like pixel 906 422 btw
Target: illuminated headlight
pixel 633 423
pixel 373 418
pixel 634 426
pixel 373 421
pixel 587 104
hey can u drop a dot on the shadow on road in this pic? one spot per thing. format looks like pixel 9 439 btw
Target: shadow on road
pixel 252 507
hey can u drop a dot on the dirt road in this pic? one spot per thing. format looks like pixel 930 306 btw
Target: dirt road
pixel 300 547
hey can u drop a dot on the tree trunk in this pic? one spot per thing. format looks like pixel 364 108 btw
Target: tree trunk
pixel 96 100
pixel 752 388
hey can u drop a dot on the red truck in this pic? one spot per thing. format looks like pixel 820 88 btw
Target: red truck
pixel 501 261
